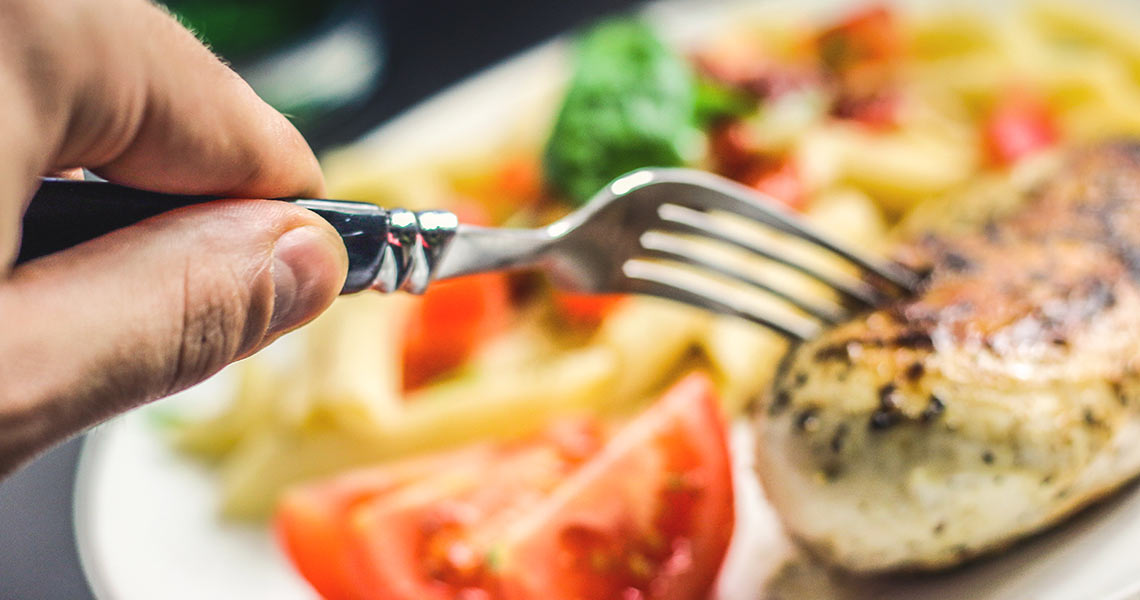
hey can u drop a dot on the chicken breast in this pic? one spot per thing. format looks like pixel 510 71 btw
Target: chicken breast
pixel 997 401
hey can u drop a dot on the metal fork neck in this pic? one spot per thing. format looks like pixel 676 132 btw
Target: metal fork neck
pixel 388 250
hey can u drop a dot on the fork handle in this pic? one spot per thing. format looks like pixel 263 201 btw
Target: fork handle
pixel 64 213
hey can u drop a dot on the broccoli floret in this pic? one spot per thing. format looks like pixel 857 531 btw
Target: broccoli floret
pixel 630 104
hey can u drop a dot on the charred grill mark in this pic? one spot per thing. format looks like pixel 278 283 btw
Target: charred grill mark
pixel 1118 391
pixel 841 351
pixel 887 396
pixel 779 403
pixel 992 231
pixel 956 263
pixel 1100 298
pixel 1091 419
pixel 914 339
pixel 807 421
pixel 839 438
pixel 888 414
pixel 934 409
pixel 836 351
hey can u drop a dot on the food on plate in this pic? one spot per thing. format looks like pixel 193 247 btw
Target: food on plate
pixel 580 511
pixel 998 400
pixel 877 125
pixel 629 104
pixel 450 322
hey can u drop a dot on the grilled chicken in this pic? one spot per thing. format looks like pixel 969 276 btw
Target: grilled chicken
pixel 997 401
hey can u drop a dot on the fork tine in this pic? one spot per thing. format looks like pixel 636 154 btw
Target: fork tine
pixel 667 247
pixel 663 281
pixel 735 198
pixel 683 220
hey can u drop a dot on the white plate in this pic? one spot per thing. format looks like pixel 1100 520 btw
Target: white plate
pixel 146 517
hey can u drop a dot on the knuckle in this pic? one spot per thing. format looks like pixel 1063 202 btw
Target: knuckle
pixel 215 326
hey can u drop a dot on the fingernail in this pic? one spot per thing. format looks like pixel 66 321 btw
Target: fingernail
pixel 305 277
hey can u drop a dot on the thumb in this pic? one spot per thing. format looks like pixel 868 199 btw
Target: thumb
pixel 152 309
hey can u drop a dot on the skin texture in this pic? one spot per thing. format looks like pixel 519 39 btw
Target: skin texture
pixel 119 87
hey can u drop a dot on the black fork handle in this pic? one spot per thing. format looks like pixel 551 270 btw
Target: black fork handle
pixel 64 213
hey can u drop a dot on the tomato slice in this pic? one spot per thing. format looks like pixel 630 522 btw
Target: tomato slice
pixel 311 520
pixel 739 155
pixel 451 321
pixel 781 181
pixel 511 185
pixel 416 544
pixel 585 309
pixel 878 111
pixel 576 514
pixel 649 517
pixel 1018 126
pixel 455 316
pixel 867 36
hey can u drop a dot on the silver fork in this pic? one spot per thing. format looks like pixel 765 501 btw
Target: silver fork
pixel 613 245
pixel 630 238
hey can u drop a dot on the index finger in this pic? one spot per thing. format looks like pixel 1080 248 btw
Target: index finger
pixel 144 103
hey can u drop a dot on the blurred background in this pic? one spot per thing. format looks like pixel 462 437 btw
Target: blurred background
pixel 339 68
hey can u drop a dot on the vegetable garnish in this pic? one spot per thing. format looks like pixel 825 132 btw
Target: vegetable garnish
pixel 630 104
pixel 454 317
pixel 582 511
pixel 1019 124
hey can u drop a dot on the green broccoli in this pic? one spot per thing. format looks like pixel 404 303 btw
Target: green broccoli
pixel 630 104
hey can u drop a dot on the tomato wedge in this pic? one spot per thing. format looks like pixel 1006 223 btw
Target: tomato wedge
pixel 649 517
pixel 578 513
pixel 868 36
pixel 455 316
pixel 738 155
pixel 781 181
pixel 585 309
pixel 311 521
pixel 450 322
pixel 415 543
pixel 1018 126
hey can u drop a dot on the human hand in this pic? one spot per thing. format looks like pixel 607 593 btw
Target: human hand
pixel 119 87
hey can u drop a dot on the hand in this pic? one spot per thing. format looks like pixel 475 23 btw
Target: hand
pixel 119 87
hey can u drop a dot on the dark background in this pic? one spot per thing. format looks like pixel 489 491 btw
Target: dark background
pixel 431 44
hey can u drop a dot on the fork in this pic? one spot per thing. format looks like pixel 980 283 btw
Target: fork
pixel 641 234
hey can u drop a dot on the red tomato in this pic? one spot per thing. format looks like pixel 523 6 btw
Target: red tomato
pixel 739 155
pixel 585 309
pixel 511 185
pixel 780 180
pixel 471 212
pixel 455 316
pixel 734 147
pixel 650 517
pixel 748 70
pixel 450 322
pixel 878 111
pixel 520 179
pixel 575 514
pixel 311 520
pixel 1018 125
pixel 419 543
pixel 870 35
